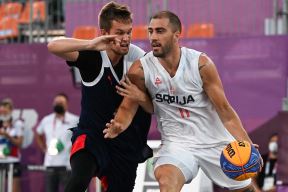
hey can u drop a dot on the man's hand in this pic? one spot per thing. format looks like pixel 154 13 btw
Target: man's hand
pixel 130 90
pixel 103 42
pixel 112 130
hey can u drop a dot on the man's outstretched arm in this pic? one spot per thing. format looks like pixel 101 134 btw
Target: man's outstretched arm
pixel 134 92
pixel 68 48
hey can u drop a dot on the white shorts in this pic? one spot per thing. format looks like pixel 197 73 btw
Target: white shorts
pixel 190 160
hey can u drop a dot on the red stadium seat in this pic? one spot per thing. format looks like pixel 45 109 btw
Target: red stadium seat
pixel 39 12
pixel 11 10
pixel 9 28
pixel 85 32
pixel 139 32
pixel 204 30
pixel 1 11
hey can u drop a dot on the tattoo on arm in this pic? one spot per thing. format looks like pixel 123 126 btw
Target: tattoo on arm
pixel 202 66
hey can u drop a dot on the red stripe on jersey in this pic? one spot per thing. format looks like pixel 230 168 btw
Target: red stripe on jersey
pixel 78 144
pixel 104 183
pixel 181 112
pixel 187 113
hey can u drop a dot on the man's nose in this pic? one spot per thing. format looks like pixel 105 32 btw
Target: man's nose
pixel 126 37
pixel 152 36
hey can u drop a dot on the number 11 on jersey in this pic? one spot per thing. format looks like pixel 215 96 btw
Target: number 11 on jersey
pixel 184 113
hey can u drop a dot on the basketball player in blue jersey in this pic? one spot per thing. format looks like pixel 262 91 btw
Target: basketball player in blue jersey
pixel 194 117
pixel 103 62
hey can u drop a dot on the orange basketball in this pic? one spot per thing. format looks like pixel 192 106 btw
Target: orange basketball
pixel 240 160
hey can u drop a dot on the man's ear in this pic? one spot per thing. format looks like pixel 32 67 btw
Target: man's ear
pixel 177 35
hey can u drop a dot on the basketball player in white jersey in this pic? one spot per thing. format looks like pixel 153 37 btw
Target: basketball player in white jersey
pixel 194 117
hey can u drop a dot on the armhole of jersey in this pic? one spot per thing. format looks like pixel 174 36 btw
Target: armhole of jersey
pixel 198 54
pixel 145 70
pixel 95 81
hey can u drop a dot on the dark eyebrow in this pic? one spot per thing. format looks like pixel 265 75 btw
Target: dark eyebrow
pixel 157 28
pixel 120 30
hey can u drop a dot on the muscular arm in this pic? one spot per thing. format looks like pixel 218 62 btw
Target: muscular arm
pixel 130 103
pixel 134 87
pixel 67 48
pixel 213 87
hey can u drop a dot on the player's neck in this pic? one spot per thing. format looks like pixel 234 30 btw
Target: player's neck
pixel 114 58
pixel 171 61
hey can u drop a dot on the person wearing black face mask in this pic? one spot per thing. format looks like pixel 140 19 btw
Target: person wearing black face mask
pixel 53 139
pixel 266 179
pixel 59 109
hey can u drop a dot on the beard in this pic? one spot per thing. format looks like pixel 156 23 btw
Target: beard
pixel 162 50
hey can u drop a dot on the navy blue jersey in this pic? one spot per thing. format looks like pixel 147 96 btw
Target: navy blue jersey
pixel 100 102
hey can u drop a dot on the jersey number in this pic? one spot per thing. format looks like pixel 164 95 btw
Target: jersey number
pixel 184 113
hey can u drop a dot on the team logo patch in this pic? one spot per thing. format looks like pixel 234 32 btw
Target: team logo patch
pixel 158 81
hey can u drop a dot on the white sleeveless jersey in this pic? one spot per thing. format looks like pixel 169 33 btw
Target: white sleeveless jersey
pixel 133 54
pixel 185 114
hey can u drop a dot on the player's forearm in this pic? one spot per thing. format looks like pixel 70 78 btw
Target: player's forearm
pixel 233 124
pixel 67 45
pixel 238 132
pixel 125 116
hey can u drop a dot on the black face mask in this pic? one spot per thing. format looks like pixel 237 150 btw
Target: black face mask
pixel 59 109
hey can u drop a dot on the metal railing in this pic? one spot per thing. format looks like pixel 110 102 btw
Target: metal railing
pixel 229 18
pixel 38 28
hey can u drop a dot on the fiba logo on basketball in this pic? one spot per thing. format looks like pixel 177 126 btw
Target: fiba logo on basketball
pixel 240 160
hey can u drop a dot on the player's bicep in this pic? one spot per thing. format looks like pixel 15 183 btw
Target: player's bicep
pixel 212 84
pixel 68 56
pixel 136 75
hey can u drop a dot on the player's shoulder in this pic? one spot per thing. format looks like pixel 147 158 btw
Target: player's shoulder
pixel 135 52
pixel 188 52
pixel 147 55
pixel 204 59
pixel 135 66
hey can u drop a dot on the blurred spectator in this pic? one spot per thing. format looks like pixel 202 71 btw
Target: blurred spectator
pixel 11 138
pixel 266 179
pixel 53 138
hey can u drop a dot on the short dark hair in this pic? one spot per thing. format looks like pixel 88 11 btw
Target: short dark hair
pixel 113 11
pixel 62 95
pixel 173 19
